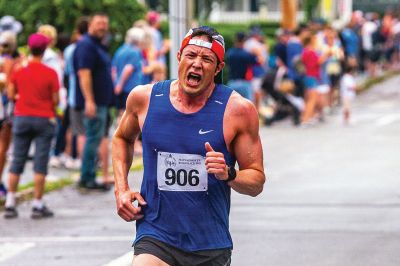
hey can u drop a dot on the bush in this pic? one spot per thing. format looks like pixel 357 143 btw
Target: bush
pixel 63 15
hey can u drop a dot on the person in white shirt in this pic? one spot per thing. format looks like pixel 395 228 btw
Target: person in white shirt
pixel 348 87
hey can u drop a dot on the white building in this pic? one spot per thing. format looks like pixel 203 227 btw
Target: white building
pixel 249 10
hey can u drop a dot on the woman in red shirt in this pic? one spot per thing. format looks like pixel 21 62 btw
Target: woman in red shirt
pixel 35 90
pixel 312 65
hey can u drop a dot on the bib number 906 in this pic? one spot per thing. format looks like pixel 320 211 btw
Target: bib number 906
pixel 181 177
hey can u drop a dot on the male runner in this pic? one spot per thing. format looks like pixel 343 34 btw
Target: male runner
pixel 194 131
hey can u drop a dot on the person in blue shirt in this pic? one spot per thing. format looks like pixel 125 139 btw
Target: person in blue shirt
pixel 94 94
pixel 351 43
pixel 239 62
pixel 194 131
pixel 127 66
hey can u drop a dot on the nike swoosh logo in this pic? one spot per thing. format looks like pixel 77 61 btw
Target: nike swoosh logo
pixel 159 94
pixel 201 132
pixel 219 102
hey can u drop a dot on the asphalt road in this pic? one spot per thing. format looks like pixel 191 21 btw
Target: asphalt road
pixel 332 198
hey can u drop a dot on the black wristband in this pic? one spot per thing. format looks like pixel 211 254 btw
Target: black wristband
pixel 231 174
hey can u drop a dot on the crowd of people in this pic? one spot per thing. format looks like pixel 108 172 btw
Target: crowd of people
pixel 305 74
pixel 60 94
pixel 310 71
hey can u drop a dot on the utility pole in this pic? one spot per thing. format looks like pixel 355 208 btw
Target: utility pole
pixel 179 22
pixel 289 14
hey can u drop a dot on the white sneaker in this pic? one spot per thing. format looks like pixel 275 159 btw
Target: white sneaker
pixel 73 164
pixel 55 162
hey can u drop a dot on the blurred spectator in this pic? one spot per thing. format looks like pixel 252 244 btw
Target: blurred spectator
pixel 51 58
pixel 351 43
pixel 92 64
pixel 240 62
pixel 388 36
pixel 9 62
pixel 73 117
pixel 294 50
pixel 61 152
pixel 331 68
pixel 256 46
pixel 8 23
pixel 161 46
pixel 312 62
pixel 35 89
pixel 369 37
pixel 149 51
pixel 396 42
pixel 280 49
pixel 127 66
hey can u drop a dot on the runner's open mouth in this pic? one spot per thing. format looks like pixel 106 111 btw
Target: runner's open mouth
pixel 193 78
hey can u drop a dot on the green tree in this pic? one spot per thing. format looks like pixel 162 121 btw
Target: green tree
pixel 310 7
pixel 63 14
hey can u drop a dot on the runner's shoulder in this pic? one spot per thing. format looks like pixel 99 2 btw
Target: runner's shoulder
pixel 240 107
pixel 140 96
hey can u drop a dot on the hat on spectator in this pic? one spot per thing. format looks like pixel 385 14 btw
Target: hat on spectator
pixel 152 17
pixel 38 41
pixel 8 23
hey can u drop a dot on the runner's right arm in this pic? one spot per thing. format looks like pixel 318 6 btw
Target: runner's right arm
pixel 122 155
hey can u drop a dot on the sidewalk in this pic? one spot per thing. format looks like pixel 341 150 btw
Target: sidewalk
pixel 56 179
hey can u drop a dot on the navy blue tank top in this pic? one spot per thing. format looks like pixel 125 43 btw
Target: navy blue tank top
pixel 186 207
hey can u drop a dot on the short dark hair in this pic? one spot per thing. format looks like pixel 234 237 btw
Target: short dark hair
pixel 240 36
pixel 37 51
pixel 82 25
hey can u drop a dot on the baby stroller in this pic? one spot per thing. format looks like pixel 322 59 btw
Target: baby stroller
pixel 281 89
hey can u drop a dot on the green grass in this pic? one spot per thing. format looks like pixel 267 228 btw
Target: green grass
pixel 376 80
pixel 26 190
pixel 49 185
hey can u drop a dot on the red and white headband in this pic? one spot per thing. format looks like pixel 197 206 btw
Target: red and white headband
pixel 214 46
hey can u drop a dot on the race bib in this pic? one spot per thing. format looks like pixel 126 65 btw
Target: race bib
pixel 181 172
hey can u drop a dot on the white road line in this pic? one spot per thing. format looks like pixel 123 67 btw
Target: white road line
pixel 386 120
pixel 124 260
pixel 8 250
pixel 68 239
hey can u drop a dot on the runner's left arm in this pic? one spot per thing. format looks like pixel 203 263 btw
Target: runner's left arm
pixel 246 146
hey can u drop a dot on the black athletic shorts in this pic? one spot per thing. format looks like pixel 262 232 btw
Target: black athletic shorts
pixel 177 257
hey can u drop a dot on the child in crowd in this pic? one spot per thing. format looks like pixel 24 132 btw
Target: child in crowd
pixel 348 88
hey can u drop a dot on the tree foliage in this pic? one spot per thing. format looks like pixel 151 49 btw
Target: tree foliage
pixel 310 6
pixel 63 13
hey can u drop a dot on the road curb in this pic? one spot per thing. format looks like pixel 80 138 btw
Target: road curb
pixel 369 82
pixel 54 185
